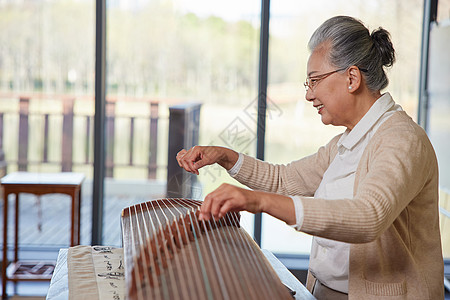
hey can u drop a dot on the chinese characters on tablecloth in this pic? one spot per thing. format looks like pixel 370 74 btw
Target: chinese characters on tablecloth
pixel 110 272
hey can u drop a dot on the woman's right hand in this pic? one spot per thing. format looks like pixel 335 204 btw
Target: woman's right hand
pixel 199 156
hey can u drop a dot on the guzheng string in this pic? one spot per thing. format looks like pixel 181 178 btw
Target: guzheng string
pixel 248 251
pixel 143 274
pixel 232 219
pixel 143 235
pixel 154 256
pixel 171 233
pixel 156 263
pixel 224 260
pixel 192 268
pixel 166 259
pixel 153 263
pixel 219 236
pixel 213 255
pixel 137 277
pixel 221 240
pixel 175 234
pixel 202 259
pixel 174 255
pixel 240 282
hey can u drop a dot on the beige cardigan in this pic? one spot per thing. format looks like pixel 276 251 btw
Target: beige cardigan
pixel 392 221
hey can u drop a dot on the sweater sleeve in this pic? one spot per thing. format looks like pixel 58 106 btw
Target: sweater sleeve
pixel 398 165
pixel 300 177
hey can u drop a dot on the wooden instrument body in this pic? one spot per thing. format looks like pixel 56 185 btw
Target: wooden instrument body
pixel 170 254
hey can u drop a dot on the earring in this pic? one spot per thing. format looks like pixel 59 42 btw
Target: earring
pixel 349 87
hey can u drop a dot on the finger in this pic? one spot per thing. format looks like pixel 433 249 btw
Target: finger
pixel 201 163
pixel 185 165
pixel 216 199
pixel 192 166
pixel 190 158
pixel 201 159
pixel 181 152
pixel 180 155
pixel 216 204
pixel 213 202
pixel 205 208
pixel 220 197
pixel 187 162
pixel 206 156
pixel 183 158
pixel 225 208
pixel 203 217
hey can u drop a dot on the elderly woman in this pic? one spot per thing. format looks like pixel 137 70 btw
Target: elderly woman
pixel 369 197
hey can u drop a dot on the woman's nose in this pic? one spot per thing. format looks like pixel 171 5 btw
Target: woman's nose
pixel 309 96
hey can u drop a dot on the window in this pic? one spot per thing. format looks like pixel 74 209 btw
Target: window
pixel 46 80
pixel 439 109
pixel 294 129
pixel 173 52
pixel 161 53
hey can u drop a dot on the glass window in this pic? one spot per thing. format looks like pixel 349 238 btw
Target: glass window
pixel 443 11
pixel 293 128
pixel 46 96
pixel 174 52
pixel 439 110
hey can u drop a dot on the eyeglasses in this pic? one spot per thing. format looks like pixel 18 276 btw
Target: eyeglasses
pixel 312 82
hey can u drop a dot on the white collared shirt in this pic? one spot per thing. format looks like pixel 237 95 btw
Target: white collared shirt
pixel 329 260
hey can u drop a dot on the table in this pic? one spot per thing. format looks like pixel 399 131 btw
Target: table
pixel 287 278
pixel 38 184
pixel 59 286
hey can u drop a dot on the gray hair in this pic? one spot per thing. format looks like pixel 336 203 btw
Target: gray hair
pixel 352 45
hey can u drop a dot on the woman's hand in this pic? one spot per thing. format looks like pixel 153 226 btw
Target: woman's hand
pixel 199 156
pixel 229 198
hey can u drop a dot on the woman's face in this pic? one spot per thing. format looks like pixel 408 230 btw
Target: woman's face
pixel 330 95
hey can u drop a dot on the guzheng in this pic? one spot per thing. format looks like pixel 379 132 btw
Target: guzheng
pixel 170 254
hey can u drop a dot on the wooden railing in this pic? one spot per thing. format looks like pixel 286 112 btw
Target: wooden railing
pixel 57 130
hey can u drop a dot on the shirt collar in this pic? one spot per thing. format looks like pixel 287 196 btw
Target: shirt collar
pixel 350 138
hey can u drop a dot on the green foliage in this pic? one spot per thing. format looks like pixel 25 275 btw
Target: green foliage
pixel 157 51
pixel 152 52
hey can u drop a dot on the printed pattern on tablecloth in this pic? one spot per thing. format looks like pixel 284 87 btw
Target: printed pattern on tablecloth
pixel 110 272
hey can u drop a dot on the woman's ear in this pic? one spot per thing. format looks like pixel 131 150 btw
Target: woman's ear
pixel 354 78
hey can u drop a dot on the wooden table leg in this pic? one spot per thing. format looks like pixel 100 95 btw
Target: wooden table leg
pixel 76 219
pixel 79 216
pixel 16 230
pixel 72 220
pixel 5 244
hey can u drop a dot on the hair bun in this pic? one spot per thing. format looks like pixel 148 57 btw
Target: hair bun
pixel 383 44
